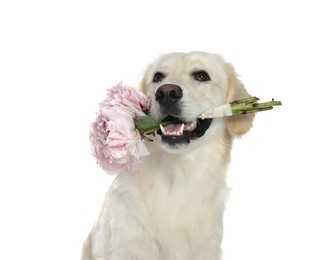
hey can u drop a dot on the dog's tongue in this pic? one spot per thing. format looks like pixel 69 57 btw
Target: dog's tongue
pixel 172 127
pixel 178 128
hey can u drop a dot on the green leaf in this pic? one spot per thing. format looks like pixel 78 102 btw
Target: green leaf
pixel 146 122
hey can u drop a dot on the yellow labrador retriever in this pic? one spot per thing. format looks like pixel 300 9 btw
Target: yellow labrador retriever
pixel 171 206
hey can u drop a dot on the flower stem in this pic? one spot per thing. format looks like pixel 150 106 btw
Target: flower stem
pixel 249 105
pixel 147 125
pixel 245 101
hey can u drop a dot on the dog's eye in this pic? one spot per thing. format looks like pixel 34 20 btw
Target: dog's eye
pixel 201 75
pixel 159 76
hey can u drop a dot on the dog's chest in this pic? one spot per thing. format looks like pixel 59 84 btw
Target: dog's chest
pixel 182 209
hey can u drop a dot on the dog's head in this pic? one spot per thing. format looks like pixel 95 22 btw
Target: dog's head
pixel 181 86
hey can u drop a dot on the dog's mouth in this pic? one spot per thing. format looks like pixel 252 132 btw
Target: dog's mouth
pixel 178 131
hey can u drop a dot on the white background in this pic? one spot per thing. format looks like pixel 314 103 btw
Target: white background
pixel 58 57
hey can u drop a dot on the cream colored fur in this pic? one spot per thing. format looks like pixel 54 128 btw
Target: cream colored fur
pixel 170 207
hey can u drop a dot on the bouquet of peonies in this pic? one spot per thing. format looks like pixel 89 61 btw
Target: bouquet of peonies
pixel 122 124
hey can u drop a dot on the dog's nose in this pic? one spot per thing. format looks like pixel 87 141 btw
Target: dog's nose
pixel 168 94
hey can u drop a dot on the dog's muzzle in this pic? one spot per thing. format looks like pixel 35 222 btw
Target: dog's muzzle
pixel 178 131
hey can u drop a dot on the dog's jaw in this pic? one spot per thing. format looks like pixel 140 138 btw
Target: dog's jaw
pixel 186 132
pixel 181 143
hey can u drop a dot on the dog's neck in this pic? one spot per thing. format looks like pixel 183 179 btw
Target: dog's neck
pixel 203 163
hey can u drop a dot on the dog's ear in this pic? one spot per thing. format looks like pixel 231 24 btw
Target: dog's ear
pixel 237 125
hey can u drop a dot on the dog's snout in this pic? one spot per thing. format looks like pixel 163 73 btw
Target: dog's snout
pixel 168 94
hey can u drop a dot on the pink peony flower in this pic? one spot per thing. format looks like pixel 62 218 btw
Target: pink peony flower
pixel 127 98
pixel 116 143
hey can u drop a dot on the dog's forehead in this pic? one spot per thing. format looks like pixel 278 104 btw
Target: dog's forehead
pixel 187 61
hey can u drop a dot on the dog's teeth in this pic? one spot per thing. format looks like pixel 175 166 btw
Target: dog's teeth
pixel 181 129
pixel 162 129
pixel 191 126
pixel 172 133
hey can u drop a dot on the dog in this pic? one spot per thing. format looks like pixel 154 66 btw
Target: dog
pixel 170 206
